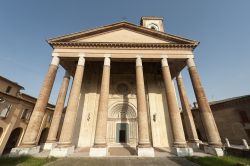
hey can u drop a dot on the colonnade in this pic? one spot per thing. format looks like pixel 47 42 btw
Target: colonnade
pixel 66 136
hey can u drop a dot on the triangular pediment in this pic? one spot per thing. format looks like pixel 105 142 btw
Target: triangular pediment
pixel 122 32
pixel 122 35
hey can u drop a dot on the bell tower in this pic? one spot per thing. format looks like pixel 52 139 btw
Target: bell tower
pixel 153 22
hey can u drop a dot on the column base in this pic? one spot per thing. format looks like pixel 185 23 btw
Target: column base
pixel 49 145
pixel 98 152
pixel 181 152
pixel 145 152
pixel 194 145
pixel 19 151
pixel 213 150
pixel 62 151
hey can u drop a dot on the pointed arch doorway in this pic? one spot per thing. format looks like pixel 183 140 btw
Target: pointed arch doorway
pixel 122 125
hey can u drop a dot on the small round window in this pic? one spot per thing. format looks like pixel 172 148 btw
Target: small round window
pixel 122 88
pixel 153 26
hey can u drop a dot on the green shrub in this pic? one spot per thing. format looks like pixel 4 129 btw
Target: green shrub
pixel 221 161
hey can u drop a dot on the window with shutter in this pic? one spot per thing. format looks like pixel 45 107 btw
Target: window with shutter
pixel 5 109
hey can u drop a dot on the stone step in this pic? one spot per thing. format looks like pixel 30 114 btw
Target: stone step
pixel 122 151
pixel 122 161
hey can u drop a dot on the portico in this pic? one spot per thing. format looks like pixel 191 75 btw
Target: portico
pixel 122 92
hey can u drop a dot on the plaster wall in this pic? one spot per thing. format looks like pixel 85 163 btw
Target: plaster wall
pixel 160 129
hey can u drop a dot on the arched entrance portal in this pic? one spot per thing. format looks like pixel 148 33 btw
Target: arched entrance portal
pixel 122 125
pixel 13 140
pixel 43 136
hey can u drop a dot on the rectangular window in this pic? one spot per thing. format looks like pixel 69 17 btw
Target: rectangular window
pixel 26 114
pixel 49 118
pixel 8 89
pixel 23 114
pixel 5 109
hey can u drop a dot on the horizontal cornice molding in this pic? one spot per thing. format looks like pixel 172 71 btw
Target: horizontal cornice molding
pixel 121 45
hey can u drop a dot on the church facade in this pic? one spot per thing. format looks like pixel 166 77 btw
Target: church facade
pixel 122 93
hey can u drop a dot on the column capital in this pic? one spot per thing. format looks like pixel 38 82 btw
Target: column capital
pixel 106 61
pixel 164 62
pixel 138 61
pixel 81 54
pixel 179 75
pixel 55 61
pixel 81 61
pixel 164 56
pixel 107 55
pixel 55 54
pixel 190 62
pixel 66 74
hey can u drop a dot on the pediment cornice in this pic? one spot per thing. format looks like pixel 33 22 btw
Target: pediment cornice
pixel 121 45
pixel 68 40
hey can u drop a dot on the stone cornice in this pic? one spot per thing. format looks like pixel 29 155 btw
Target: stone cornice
pixel 20 99
pixel 11 82
pixel 234 102
pixel 121 45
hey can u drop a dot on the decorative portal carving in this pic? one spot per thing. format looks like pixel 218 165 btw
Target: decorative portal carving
pixel 122 111
pixel 122 114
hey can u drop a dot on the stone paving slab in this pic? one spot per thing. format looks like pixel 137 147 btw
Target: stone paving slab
pixel 122 161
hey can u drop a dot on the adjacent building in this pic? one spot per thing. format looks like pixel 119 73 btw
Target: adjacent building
pixel 15 112
pixel 232 117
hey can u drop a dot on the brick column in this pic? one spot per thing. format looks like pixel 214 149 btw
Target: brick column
pixel 71 111
pixel 143 129
pixel 101 123
pixel 206 113
pixel 58 110
pixel 187 114
pixel 33 127
pixel 174 113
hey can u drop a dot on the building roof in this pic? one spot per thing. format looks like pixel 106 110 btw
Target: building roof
pixel 229 99
pixel 71 39
pixel 11 82
pixel 33 99
pixel 225 101
pixel 25 99
pixel 23 96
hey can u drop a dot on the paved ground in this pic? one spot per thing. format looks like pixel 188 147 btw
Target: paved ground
pixel 122 156
pixel 122 161
pixel 123 152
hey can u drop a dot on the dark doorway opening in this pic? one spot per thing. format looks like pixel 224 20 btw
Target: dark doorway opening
pixel 13 140
pixel 122 133
pixel 43 136
pixel 122 136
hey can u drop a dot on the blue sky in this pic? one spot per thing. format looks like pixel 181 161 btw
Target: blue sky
pixel 222 27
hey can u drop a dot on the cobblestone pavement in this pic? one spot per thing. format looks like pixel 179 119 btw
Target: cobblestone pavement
pixel 122 161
